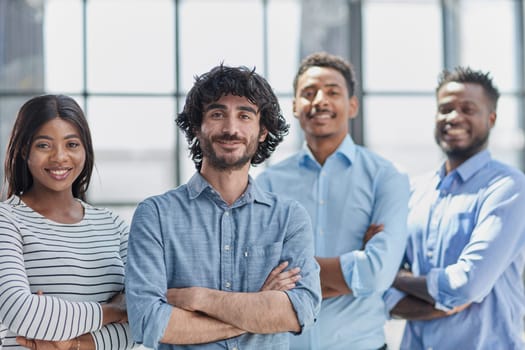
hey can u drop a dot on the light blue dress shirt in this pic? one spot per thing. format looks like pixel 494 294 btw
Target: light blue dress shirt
pixel 467 235
pixel 353 189
pixel 190 237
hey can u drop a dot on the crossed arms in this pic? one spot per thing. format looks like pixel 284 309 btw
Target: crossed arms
pixel 418 304
pixel 202 315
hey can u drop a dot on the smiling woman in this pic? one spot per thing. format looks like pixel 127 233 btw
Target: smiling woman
pixel 63 260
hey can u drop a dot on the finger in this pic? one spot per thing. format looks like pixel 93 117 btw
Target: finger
pixel 23 342
pixel 287 284
pixel 279 268
pixel 26 343
pixel 288 274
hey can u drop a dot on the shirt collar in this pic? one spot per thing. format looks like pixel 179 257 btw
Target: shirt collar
pixel 345 151
pixel 198 184
pixel 471 166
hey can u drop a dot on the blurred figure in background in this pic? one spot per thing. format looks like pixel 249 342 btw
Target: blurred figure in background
pixel 357 202
pixel 461 285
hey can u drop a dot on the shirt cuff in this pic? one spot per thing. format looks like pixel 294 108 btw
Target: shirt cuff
pixel 433 288
pixel 347 262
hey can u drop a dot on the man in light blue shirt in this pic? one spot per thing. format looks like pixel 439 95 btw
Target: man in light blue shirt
pixel 461 286
pixel 345 188
pixel 200 257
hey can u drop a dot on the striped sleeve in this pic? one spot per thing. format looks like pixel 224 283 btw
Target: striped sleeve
pixel 114 336
pixel 30 315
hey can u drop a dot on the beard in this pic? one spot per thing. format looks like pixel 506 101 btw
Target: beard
pixel 462 153
pixel 224 163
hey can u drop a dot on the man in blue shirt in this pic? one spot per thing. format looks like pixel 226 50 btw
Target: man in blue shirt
pixel 199 255
pixel 345 189
pixel 461 286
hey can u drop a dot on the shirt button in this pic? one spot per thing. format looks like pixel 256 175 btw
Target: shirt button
pixel 429 255
pixel 321 202
pixel 227 213
pixel 228 284
pixel 234 348
pixel 226 247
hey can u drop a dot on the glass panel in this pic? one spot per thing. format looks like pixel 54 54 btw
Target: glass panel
pixel 134 143
pixel 130 46
pixel 401 45
pixel 507 139
pixel 212 32
pixel 490 44
pixel 63 47
pixel 401 129
pixel 283 41
pixel 21 46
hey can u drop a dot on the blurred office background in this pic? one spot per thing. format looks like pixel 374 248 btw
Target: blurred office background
pixel 129 63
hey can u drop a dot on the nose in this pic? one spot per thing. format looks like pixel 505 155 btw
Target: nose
pixel 450 117
pixel 319 97
pixel 59 153
pixel 230 125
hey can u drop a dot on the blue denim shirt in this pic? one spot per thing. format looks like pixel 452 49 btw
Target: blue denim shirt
pixel 190 237
pixel 351 190
pixel 467 236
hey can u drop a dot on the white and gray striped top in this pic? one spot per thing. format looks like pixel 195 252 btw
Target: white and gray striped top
pixel 76 266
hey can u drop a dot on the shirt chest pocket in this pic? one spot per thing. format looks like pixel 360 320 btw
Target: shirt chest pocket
pixel 458 236
pixel 259 260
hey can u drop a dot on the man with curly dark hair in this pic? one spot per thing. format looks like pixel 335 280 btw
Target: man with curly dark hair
pixel 210 262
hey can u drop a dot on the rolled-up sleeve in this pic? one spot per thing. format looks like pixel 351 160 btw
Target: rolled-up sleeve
pixel 298 250
pixel 146 284
pixel 373 269
pixel 496 240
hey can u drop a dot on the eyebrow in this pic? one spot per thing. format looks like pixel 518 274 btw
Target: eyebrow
pixel 329 85
pixel 45 137
pixel 223 107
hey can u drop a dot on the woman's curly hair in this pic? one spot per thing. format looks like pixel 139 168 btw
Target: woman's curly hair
pixel 238 81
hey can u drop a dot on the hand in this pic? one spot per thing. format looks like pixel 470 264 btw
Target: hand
pixel 371 231
pixel 35 344
pixel 279 280
pixel 458 309
pixel 404 273
pixel 114 311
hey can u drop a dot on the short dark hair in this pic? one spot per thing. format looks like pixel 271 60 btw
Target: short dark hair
pixel 239 81
pixel 468 75
pixel 323 59
pixel 31 117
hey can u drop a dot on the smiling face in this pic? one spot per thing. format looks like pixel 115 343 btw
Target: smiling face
pixel 230 133
pixel 56 157
pixel 323 106
pixel 463 121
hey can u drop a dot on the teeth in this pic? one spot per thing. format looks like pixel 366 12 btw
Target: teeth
pixel 455 132
pixel 58 172
pixel 322 116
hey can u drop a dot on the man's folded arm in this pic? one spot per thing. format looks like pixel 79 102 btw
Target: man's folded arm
pixel 187 327
pixel 269 311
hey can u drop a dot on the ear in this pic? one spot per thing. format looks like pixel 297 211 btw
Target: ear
pixel 354 107
pixel 24 153
pixel 492 119
pixel 294 109
pixel 262 134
